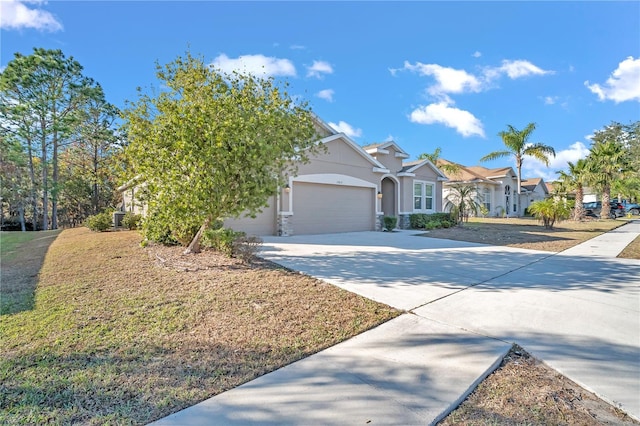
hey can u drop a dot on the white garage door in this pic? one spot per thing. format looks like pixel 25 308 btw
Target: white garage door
pixel 321 209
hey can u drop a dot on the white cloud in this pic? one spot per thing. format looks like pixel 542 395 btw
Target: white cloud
pixel 319 68
pixel 623 85
pixel 347 129
pixel 462 121
pixel 477 54
pixel 256 64
pixel 550 100
pixel 15 14
pixel 448 80
pixel 326 94
pixel 519 68
pixel 297 47
pixel 514 69
pixel 532 167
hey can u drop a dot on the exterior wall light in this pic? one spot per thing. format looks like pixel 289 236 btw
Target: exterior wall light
pixel 379 195
pixel 287 188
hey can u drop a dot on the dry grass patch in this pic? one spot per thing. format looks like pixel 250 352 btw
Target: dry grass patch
pixel 632 251
pixel 122 334
pixel 524 391
pixel 526 232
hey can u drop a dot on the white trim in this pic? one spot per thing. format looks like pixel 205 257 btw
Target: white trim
pixel 397 189
pixel 380 170
pixel 402 155
pixel 333 179
pixel 433 197
pixel 426 161
pixel 381 149
pixel 403 174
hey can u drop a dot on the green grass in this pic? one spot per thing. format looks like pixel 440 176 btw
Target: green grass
pixel 10 240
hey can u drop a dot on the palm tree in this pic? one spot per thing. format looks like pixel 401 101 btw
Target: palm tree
pixel 606 163
pixel 448 168
pixel 575 180
pixel 462 200
pixel 518 145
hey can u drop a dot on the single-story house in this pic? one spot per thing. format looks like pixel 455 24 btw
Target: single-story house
pixel 346 188
pixel 497 189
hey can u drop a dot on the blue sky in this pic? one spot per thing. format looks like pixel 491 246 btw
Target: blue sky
pixel 425 74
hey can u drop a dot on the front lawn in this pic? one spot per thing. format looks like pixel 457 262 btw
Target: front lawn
pixel 122 334
pixel 526 232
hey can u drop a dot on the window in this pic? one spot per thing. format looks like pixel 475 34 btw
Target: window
pixel 423 196
pixel 486 199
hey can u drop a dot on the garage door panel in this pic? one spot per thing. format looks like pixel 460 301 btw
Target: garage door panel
pixel 320 208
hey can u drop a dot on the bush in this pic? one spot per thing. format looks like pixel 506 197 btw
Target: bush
pixel 131 220
pixel 550 211
pixel 100 222
pixel 390 222
pixel 417 220
pixel 436 220
pixel 155 231
pixel 231 243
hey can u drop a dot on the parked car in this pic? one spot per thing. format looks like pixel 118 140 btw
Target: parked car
pixel 632 208
pixel 593 209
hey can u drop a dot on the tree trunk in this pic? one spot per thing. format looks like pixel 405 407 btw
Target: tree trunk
pixel 194 245
pixel 94 194
pixel 578 209
pixel 54 184
pixel 519 167
pixel 606 202
pixel 45 189
pixel 23 226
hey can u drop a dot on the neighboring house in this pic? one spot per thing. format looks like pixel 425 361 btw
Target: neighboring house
pixel 130 197
pixel 345 188
pixel 497 188
pixel 533 189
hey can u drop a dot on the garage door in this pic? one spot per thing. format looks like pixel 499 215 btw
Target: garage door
pixel 321 209
pixel 263 224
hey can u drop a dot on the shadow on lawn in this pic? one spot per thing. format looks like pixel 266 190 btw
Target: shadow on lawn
pixel 20 271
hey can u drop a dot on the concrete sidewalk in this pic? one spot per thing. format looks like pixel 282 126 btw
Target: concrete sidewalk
pixel 578 310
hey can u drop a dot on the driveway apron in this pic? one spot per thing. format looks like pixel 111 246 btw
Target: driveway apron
pixel 578 311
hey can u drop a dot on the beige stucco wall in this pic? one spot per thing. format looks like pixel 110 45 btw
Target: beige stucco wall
pixel 390 161
pixel 341 159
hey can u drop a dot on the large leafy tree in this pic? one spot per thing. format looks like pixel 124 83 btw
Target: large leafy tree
pixel 39 94
pixel 518 146
pixel 213 145
pixel 574 179
pixel 608 161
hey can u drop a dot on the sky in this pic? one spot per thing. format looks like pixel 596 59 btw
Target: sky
pixel 428 75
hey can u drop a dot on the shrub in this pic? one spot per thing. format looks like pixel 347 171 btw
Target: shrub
pixel 437 220
pixel 131 220
pixel 246 247
pixel 231 243
pixel 417 220
pixel 390 222
pixel 156 231
pixel 550 210
pixel 100 222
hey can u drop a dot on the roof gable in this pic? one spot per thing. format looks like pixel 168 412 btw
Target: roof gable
pixel 413 166
pixel 345 139
pixel 383 148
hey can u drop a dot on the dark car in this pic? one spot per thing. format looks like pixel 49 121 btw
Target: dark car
pixel 629 207
pixel 593 209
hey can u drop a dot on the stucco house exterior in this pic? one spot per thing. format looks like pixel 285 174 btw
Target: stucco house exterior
pixel 497 188
pixel 345 188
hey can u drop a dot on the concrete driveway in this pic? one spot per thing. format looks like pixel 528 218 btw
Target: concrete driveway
pixel 579 310
pixel 466 303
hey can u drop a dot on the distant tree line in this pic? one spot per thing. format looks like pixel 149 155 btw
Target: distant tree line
pixel 58 142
